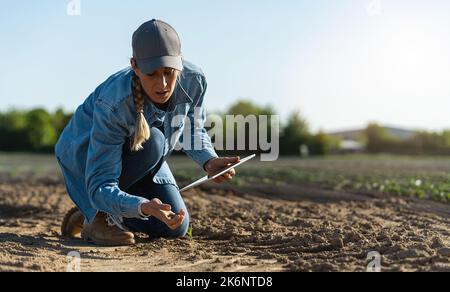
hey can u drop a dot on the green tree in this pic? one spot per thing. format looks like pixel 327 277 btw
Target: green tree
pixel 60 120
pixel 377 138
pixel 294 134
pixel 320 144
pixel 40 130
pixel 446 138
pixel 246 108
pixel 12 131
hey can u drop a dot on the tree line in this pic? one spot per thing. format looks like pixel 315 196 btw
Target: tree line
pixel 421 143
pixel 37 130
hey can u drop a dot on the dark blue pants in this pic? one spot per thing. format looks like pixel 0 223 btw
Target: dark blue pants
pixel 138 170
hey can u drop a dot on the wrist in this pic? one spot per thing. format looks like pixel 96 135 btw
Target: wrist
pixel 205 166
pixel 145 210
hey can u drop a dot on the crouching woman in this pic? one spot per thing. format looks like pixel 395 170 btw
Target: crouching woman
pixel 113 153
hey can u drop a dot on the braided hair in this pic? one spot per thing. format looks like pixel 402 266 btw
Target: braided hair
pixel 142 132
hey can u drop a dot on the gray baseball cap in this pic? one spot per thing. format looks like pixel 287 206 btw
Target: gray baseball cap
pixel 156 44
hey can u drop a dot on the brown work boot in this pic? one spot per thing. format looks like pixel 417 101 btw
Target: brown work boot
pixel 106 232
pixel 72 223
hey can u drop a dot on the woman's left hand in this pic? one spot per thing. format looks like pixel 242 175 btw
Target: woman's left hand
pixel 163 212
pixel 213 166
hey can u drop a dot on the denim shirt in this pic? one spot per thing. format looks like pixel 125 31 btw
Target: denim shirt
pixel 89 150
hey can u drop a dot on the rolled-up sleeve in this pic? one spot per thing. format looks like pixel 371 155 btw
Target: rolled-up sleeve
pixel 104 165
pixel 199 147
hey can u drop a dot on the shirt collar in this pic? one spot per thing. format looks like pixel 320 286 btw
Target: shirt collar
pixel 180 94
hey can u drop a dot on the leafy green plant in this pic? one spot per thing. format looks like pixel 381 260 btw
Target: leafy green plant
pixel 190 233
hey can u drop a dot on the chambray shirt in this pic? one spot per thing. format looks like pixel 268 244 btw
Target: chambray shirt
pixel 89 150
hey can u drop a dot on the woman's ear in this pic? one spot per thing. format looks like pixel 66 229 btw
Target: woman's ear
pixel 133 64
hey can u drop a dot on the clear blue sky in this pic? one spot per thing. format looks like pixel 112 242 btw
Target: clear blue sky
pixel 341 63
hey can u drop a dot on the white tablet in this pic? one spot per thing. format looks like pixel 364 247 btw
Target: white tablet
pixel 222 172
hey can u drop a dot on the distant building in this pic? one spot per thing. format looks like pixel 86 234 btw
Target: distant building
pixel 351 146
pixel 353 141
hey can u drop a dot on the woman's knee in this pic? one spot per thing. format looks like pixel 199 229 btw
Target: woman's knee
pixel 170 194
pixel 177 206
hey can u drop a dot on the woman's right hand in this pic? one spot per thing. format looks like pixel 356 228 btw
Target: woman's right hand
pixel 163 212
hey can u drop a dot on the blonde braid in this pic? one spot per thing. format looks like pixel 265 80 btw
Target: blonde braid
pixel 142 132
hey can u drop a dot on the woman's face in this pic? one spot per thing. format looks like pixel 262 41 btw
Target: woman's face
pixel 158 85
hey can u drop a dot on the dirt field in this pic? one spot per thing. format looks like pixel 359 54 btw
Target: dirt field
pixel 294 227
